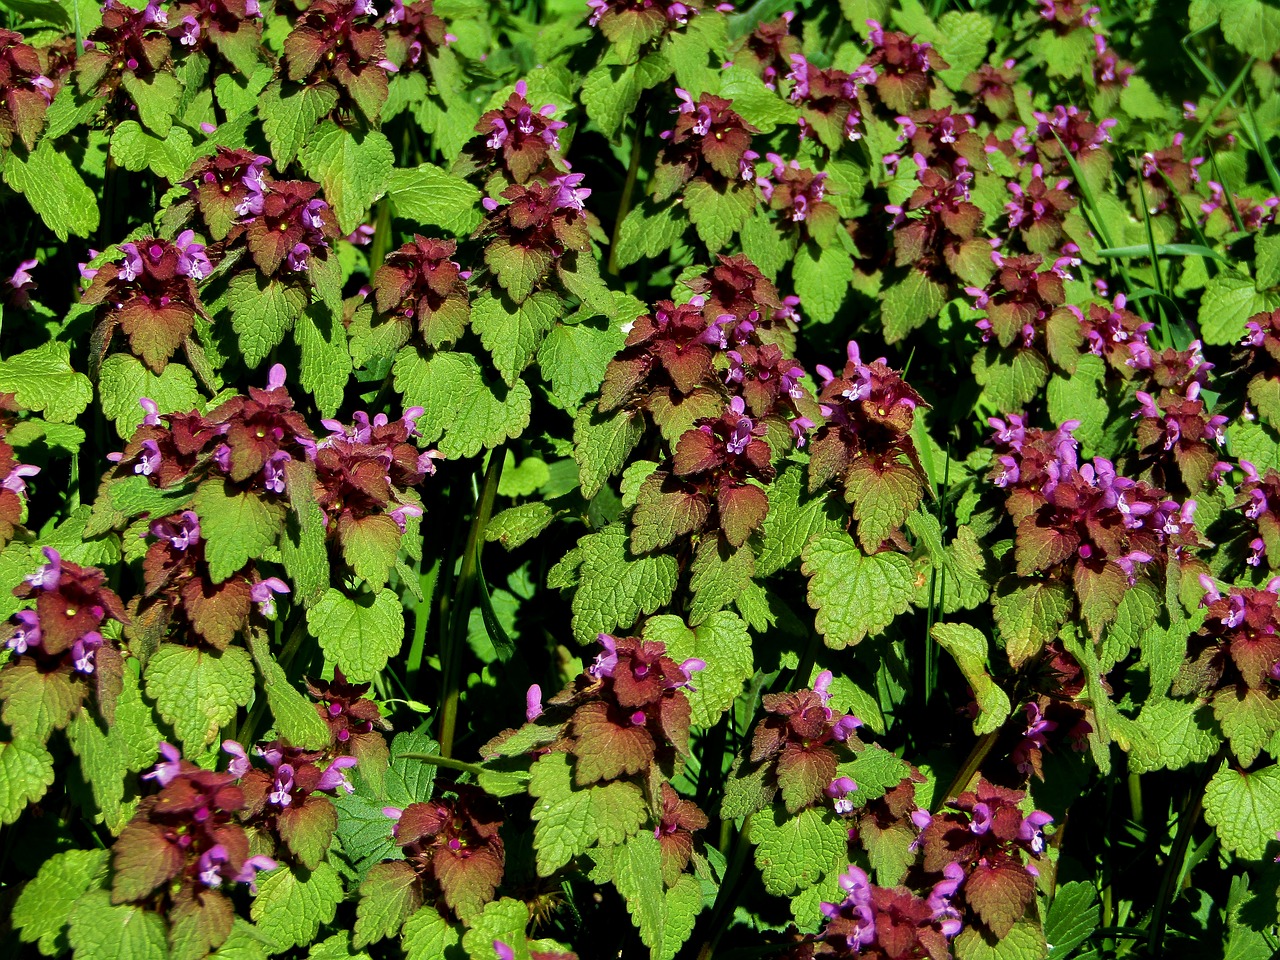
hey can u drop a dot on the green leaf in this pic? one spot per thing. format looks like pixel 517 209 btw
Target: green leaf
pixel 1229 300
pixel 292 903
pixel 1253 28
pixel 574 357
pixel 568 821
pixel 428 936
pixel 504 920
pixel 1249 719
pixel 409 780
pixel 123 381
pixel 719 213
pixel 289 120
pixel 876 771
pixel 1073 916
pixel 962 41
pixel 516 526
pixel 155 97
pixel 167 157
pixel 427 195
pixel 611 91
pixel 601 445
pixel 1172 735
pixel 761 107
pixel 883 495
pixel 243 943
pixel 101 931
pixel 461 407
pixel 236 527
pixel 1011 378
pixel 296 719
pixel 1029 616
pixel 37 702
pixel 794 518
pixel 613 586
pixel 322 338
pixel 262 311
pixel 1024 941
pixel 103 764
pixel 1244 806
pixel 663 917
pixel 513 332
pixel 44 382
pixel 198 691
pixel 797 852
pixel 337 947
pixel 389 895
pixel 302 546
pixel 26 772
pixel 358 634
pixel 44 907
pixel 855 595
pixel 649 231
pixel 969 648
pixel 54 189
pixel 723 643
pixel 1082 397
pixel 821 277
pixel 353 166
pixel 719 575
pixel 909 303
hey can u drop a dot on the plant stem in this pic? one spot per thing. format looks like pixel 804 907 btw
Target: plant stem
pixel 624 204
pixel 455 638
pixel 447 762
pixel 1177 853
pixel 970 767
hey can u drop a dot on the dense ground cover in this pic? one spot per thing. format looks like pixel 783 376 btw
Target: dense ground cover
pixel 516 480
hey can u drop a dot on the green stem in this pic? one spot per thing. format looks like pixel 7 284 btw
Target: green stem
pixel 381 236
pixel 726 898
pixel 456 637
pixel 970 767
pixel 1135 798
pixel 1177 853
pixel 447 762
pixel 628 188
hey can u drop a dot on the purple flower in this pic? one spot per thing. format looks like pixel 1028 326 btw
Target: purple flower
pixel 533 703
pixel 28 633
pixel 605 663
pixel 179 535
pixel 500 949
pixel 83 650
pixel 132 266
pixel 249 872
pixel 15 482
pixel 192 261
pixel 838 790
pixel 333 778
pixel 210 866
pixel 263 594
pixel 166 770
pixel 1032 830
pixel 48 576
pixel 149 462
pixel 282 786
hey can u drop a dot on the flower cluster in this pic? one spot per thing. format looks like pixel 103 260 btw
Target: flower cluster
pixel 829 100
pixel 1177 426
pixel 150 296
pixel 803 741
pixel 452 845
pixel 1056 680
pixel 865 443
pixel 1083 520
pixel 937 227
pixel 415 33
pixel 1064 131
pixel 128 43
pixel 903 68
pixel 25 92
pixel 539 224
pixel 797 193
pixel 709 141
pixel 637 22
pixel 355 722
pixel 286 224
pixel 519 140
pixel 287 798
pixel 181 592
pixel 1021 301
pixel 364 473
pixel 768 49
pixel 185 846
pixel 984 834
pixel 890 923
pixel 1234 655
pixel 335 42
pixel 62 634
pixel 226 187
pixel 1037 212
pixel 1115 333
pixel 1258 500
pixel 233 28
